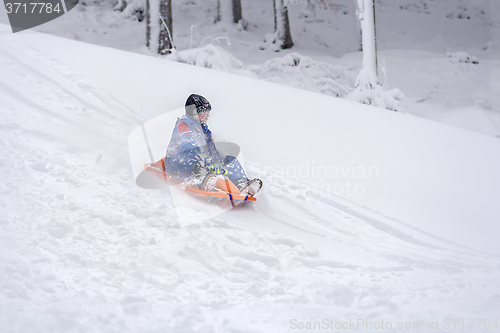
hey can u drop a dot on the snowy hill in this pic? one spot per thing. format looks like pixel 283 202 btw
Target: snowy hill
pixel 84 249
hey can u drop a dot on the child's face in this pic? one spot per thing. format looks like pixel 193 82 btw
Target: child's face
pixel 204 116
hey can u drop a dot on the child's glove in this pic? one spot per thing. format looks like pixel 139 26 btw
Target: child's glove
pixel 216 170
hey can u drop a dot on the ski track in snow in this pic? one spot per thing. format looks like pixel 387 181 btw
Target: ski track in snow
pixel 84 249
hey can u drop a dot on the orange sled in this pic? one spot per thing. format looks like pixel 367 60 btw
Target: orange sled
pixel 154 177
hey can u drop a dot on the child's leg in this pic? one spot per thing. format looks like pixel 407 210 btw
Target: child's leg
pixel 233 166
pixel 182 163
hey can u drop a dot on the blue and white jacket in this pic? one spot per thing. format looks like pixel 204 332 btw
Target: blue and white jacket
pixel 192 139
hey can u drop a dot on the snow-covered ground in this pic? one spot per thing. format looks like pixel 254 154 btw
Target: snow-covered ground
pixel 84 249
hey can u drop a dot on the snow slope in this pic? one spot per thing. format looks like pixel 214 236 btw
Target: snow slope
pixel 84 249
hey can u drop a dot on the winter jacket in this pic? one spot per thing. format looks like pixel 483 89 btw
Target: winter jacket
pixel 190 142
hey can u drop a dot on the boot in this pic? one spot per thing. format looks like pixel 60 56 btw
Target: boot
pixel 248 187
pixel 203 178
pixel 208 184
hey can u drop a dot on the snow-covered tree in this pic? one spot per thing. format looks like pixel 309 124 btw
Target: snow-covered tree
pixel 282 25
pixel 229 11
pixel 368 37
pixel 159 33
pixel 367 89
pixel 281 38
pixel 132 8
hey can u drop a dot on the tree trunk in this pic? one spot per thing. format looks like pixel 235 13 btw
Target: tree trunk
pixel 148 25
pixel 368 36
pixel 367 89
pixel 229 11
pixel 237 15
pixel 282 24
pixel 159 32
pixel 218 17
pixel 275 16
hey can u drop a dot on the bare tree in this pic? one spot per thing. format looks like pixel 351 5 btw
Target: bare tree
pixel 282 24
pixel 159 32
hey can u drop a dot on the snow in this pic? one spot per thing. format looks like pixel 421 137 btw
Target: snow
pixel 462 57
pixel 292 69
pixel 84 249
